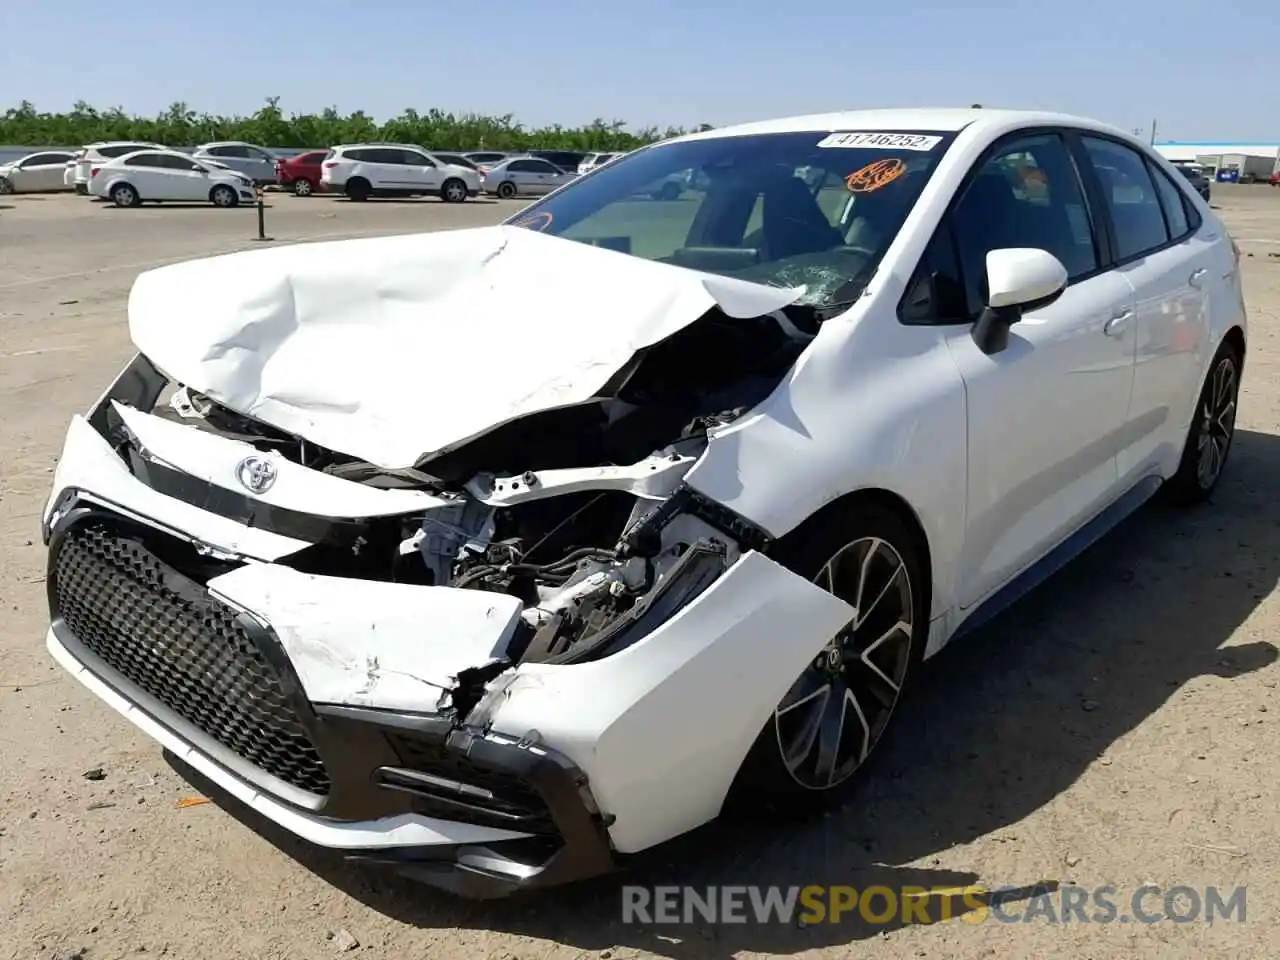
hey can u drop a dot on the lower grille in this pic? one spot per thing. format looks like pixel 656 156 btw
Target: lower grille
pixel 166 634
pixel 512 796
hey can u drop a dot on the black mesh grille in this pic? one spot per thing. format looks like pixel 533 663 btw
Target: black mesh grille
pixel 167 635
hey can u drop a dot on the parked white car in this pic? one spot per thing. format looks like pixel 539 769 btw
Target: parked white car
pixel 499 553
pixel 156 176
pixel 595 160
pixel 523 176
pixel 36 172
pixel 365 170
pixel 95 154
pixel 257 163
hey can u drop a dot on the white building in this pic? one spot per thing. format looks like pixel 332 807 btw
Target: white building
pixel 1244 160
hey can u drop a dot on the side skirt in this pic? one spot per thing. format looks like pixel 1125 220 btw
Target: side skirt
pixel 1057 558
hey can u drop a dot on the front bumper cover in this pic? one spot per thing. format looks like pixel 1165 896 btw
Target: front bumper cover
pixel 496 815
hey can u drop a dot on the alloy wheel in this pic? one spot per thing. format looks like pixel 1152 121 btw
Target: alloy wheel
pixel 302 188
pixel 455 192
pixel 835 713
pixel 1217 423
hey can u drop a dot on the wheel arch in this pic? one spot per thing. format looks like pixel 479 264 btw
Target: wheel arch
pixel 891 502
pixel 1235 337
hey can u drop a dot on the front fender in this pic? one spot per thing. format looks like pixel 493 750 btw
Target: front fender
pixel 872 404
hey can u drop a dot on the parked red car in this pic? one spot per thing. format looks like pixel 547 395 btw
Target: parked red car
pixel 1275 179
pixel 301 174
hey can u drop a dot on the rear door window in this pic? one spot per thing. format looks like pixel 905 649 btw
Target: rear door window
pixel 119 150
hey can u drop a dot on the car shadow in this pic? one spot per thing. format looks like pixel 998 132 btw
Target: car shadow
pixel 1000 724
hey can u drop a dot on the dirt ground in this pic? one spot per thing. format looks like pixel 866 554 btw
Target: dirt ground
pixel 1117 728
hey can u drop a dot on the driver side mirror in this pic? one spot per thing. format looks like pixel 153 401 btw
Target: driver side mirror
pixel 1019 279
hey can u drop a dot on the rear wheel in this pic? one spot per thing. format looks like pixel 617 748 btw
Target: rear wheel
pixel 1213 428
pixel 223 196
pixel 453 191
pixel 303 188
pixel 358 189
pixel 124 195
pixel 506 189
pixel 824 729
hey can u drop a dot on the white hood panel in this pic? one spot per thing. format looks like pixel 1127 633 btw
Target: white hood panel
pixel 392 348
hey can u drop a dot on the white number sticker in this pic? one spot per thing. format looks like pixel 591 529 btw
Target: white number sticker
pixel 887 141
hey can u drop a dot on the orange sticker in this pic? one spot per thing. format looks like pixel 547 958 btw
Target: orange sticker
pixel 534 221
pixel 875 175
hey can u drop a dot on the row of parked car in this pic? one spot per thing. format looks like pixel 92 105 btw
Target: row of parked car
pixel 227 173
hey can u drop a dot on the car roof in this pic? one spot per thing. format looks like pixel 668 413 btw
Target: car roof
pixel 943 119
pixel 226 143
pixel 117 143
pixel 377 143
pixel 168 150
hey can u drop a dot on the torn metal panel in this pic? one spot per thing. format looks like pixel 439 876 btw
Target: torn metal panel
pixel 678 709
pixel 392 348
pixel 392 646
pixel 653 478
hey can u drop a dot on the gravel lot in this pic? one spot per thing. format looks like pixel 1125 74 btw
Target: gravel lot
pixel 1119 727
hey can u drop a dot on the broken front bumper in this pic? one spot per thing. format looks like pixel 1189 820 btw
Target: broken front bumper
pixel 320 701
pixel 481 815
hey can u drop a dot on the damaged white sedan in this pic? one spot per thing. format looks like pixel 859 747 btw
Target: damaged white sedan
pixel 501 554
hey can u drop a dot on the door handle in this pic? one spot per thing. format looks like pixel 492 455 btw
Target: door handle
pixel 1115 327
pixel 1196 278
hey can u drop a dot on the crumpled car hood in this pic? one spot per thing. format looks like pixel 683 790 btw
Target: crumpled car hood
pixel 395 348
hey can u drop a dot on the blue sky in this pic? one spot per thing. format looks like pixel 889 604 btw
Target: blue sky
pixel 1204 70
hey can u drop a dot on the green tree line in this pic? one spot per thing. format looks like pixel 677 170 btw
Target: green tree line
pixel 180 126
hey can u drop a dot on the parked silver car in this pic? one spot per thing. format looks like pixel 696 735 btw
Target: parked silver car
pixel 257 163
pixel 487 158
pixel 36 172
pixel 523 175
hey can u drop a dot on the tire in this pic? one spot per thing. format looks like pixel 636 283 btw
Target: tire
pixel 862 692
pixel 506 190
pixel 6 186
pixel 302 187
pixel 1212 431
pixel 125 195
pixel 224 196
pixel 453 190
pixel 358 189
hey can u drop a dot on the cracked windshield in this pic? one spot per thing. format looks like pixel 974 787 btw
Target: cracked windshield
pixel 815 209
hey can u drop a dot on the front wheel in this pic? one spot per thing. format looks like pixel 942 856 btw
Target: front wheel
pixel 223 196
pixel 453 191
pixel 1213 428
pixel 358 189
pixel 824 729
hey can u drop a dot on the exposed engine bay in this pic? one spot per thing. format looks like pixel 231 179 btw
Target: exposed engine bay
pixel 578 512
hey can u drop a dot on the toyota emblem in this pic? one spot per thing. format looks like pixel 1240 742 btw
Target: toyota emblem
pixel 256 474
